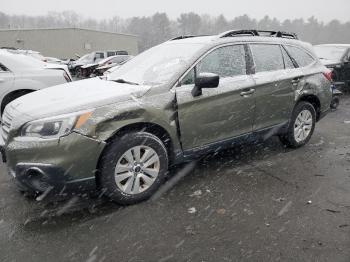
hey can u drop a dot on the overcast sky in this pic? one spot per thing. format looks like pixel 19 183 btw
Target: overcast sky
pixel 324 10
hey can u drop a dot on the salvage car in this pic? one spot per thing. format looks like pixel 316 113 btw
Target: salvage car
pixel 97 69
pixel 114 62
pixel 337 58
pixel 21 74
pixel 92 58
pixel 173 103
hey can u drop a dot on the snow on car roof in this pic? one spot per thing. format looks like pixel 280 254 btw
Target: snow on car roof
pixel 340 45
pixel 19 62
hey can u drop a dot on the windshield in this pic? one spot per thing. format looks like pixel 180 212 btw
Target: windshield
pixel 330 52
pixel 156 65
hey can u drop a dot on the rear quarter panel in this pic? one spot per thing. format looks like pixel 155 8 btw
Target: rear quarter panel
pixel 314 83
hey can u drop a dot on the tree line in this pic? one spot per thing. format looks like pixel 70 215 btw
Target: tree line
pixel 157 28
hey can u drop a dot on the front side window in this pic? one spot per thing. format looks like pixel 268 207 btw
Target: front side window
pixel 225 61
pixel 300 56
pixel 228 61
pixel 267 57
pixel 189 78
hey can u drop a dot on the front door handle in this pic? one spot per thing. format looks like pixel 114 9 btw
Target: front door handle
pixel 247 93
pixel 2 80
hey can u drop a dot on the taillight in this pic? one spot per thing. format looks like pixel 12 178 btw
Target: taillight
pixel 66 76
pixel 328 75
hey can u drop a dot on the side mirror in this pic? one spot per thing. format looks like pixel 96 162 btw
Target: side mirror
pixel 205 80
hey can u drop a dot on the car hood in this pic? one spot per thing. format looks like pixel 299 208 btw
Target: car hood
pixel 71 97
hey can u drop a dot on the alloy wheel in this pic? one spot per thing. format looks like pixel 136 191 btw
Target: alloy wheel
pixel 137 169
pixel 303 126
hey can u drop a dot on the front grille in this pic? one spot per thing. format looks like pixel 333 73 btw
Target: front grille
pixel 6 125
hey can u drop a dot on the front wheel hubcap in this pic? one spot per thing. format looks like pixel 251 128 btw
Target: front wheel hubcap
pixel 303 126
pixel 137 169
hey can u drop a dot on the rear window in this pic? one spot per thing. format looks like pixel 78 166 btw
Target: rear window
pixel 267 57
pixel 121 53
pixel 300 56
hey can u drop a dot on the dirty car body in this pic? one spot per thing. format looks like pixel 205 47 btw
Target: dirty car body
pixel 174 101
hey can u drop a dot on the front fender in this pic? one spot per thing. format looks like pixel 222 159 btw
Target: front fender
pixel 108 120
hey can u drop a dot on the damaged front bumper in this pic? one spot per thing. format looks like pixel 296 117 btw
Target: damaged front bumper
pixel 43 165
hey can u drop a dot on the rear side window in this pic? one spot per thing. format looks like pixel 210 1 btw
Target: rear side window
pixel 227 61
pixel 110 54
pixel 288 63
pixel 300 56
pixel 267 57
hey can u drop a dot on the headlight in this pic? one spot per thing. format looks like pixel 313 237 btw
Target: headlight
pixel 55 127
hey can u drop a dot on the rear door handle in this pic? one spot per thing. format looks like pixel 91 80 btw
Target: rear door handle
pixel 247 93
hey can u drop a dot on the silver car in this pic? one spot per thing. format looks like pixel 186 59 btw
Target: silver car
pixel 21 74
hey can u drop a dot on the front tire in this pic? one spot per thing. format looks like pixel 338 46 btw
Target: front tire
pixel 133 167
pixel 301 126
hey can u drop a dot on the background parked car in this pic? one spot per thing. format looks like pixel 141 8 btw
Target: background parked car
pixel 31 53
pixel 92 58
pixel 92 70
pixel 337 58
pixel 21 74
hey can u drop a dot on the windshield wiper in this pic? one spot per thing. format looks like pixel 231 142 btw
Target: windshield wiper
pixel 125 82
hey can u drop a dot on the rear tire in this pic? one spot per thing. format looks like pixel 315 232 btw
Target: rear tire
pixel 335 103
pixel 133 167
pixel 301 126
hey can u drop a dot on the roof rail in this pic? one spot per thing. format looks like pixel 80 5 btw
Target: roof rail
pixel 234 33
pixel 182 37
pixel 185 36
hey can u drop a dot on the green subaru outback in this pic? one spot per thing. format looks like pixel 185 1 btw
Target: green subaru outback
pixel 172 103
